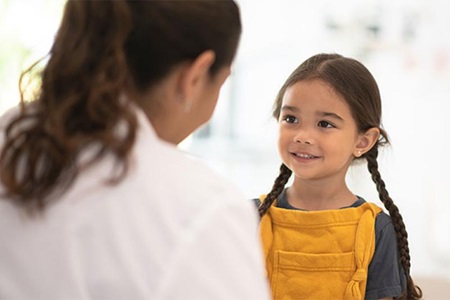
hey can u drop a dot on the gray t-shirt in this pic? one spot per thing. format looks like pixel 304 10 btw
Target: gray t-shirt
pixel 386 277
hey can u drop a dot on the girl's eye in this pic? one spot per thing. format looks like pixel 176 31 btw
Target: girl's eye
pixel 290 119
pixel 325 124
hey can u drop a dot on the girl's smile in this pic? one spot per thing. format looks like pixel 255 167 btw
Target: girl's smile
pixel 304 157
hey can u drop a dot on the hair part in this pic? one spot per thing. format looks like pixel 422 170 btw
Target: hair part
pixel 354 82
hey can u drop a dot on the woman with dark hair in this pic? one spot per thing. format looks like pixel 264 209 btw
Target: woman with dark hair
pixel 96 200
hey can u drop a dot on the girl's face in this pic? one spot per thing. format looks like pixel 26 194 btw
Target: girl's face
pixel 318 136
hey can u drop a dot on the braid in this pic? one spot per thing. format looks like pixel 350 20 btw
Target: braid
pixel 277 188
pixel 412 291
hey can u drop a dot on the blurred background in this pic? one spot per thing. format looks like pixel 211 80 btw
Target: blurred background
pixel 405 44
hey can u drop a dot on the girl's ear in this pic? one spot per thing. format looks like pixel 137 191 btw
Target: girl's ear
pixel 366 141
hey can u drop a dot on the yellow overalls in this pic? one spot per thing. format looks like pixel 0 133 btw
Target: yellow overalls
pixel 319 254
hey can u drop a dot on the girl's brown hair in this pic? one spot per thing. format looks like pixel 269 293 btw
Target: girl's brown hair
pixel 100 47
pixel 356 85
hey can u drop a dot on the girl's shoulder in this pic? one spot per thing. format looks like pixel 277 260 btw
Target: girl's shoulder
pixel 383 221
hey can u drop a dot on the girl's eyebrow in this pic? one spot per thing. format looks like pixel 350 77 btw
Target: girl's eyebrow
pixel 289 107
pixel 329 114
pixel 320 113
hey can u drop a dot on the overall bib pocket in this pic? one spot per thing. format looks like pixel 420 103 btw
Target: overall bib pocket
pixel 298 274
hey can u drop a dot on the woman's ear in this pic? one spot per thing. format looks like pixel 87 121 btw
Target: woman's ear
pixel 366 141
pixel 193 74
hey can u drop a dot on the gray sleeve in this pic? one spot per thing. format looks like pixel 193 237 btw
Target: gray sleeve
pixel 386 277
pixel 257 202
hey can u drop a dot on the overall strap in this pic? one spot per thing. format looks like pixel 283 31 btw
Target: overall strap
pixel 364 249
pixel 265 229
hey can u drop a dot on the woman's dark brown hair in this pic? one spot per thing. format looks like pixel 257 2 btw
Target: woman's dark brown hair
pixel 356 85
pixel 100 48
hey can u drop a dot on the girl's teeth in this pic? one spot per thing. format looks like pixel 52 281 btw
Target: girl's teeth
pixel 304 155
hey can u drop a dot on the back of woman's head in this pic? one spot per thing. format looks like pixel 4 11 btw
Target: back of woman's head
pixel 100 48
pixel 179 31
pixel 152 36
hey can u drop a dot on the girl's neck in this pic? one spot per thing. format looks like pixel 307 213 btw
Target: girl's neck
pixel 319 196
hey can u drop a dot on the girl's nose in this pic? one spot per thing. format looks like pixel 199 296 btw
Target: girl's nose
pixel 303 137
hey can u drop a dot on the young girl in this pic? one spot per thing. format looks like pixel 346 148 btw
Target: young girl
pixel 320 240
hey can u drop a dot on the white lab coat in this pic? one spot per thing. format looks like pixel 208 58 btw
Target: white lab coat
pixel 172 229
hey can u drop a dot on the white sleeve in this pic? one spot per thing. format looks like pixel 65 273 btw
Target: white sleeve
pixel 220 258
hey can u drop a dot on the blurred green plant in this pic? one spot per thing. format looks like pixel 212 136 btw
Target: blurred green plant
pixel 26 33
